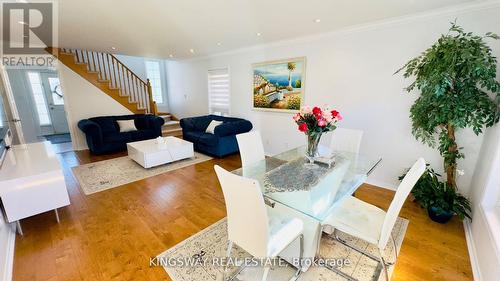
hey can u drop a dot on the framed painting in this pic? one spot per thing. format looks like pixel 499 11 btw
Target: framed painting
pixel 279 85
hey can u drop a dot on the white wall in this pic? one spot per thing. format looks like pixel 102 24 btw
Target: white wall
pixel 351 70
pixel 138 66
pixel 84 100
pixel 485 195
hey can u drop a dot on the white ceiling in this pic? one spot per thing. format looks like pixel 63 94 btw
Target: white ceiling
pixel 158 28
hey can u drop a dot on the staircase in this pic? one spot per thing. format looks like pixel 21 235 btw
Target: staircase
pixel 171 126
pixel 110 75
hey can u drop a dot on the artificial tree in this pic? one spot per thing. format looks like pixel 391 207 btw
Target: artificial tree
pixel 456 78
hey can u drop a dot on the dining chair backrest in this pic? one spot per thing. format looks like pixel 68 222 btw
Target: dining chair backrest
pixel 346 140
pixel 251 147
pixel 247 220
pixel 402 193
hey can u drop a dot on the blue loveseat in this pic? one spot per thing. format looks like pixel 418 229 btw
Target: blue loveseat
pixel 222 142
pixel 103 133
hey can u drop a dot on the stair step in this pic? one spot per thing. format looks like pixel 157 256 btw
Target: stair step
pixel 103 81
pixel 171 122
pixel 177 132
pixel 172 130
pixel 93 72
pixel 166 117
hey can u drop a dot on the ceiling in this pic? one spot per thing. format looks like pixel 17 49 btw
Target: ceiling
pixel 161 28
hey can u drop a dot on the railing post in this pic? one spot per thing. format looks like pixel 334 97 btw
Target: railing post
pixel 152 104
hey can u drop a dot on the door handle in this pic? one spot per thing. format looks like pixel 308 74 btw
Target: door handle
pixel 15 120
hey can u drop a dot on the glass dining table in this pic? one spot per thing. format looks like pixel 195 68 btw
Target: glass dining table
pixel 288 179
pixel 294 188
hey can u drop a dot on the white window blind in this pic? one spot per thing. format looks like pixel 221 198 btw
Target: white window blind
pixel 154 76
pixel 218 91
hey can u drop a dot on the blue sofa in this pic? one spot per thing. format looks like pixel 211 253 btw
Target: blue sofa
pixel 222 142
pixel 103 133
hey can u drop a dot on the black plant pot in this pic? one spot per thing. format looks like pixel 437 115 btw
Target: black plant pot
pixel 440 218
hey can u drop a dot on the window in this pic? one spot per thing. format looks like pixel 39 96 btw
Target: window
pixel 39 98
pixel 218 91
pixel 154 75
pixel 55 89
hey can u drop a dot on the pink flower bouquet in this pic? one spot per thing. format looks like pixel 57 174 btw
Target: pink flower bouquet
pixel 314 122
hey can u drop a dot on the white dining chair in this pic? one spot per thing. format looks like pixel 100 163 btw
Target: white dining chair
pixel 346 140
pixel 248 224
pixel 251 147
pixel 369 223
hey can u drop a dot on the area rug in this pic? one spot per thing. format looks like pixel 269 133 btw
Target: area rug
pixel 212 242
pixel 103 175
pixel 58 138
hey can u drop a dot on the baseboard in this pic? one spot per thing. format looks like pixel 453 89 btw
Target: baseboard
pixel 476 272
pixel 381 184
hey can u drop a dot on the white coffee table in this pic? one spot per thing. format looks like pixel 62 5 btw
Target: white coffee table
pixel 149 153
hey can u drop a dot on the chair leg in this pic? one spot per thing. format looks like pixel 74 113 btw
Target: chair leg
pixel 228 255
pixel 266 272
pixel 384 265
pixel 342 241
pixel 327 266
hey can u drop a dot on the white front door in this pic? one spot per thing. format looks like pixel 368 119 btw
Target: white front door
pixel 55 101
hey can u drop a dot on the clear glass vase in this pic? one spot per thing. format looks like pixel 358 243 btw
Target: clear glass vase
pixel 312 147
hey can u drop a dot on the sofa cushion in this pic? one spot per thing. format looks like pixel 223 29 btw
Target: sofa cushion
pixel 142 135
pixel 126 125
pixel 211 127
pixel 208 139
pixel 201 137
pixel 117 137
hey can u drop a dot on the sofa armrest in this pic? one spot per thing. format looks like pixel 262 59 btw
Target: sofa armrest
pixel 91 129
pixel 233 128
pixel 188 124
pixel 155 123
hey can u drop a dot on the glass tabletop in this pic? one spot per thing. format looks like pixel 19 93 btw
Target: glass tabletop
pixel 314 191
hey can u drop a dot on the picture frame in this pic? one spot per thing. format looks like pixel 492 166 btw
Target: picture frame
pixel 279 85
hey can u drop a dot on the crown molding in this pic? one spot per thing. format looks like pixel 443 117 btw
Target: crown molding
pixel 478 5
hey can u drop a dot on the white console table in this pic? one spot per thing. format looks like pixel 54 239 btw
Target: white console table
pixel 31 182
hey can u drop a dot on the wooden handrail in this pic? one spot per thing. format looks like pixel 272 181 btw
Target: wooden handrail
pixel 150 94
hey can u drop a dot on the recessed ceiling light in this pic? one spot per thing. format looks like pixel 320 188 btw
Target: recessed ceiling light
pixel 219 44
pixel 191 51
pixel 317 20
pixel 113 48
pixel 258 34
pixel 170 56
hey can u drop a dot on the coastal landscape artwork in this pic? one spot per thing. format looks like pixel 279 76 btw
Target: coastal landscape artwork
pixel 279 85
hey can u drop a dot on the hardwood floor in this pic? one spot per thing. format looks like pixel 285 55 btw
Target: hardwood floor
pixel 111 235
